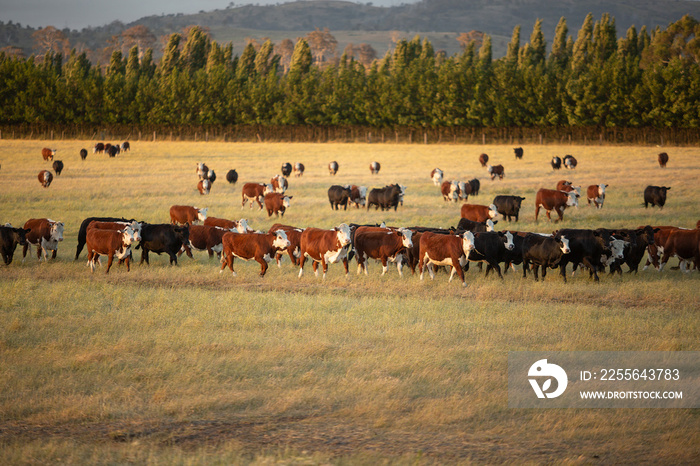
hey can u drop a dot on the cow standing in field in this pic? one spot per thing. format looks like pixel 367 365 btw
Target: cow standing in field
pixel 339 196
pixel 475 186
pixel 639 240
pixel 553 200
pixel 436 176
pixel 184 214
pixel 556 163
pixel 684 244
pixel 385 198
pixel 45 177
pixel 596 195
pixel 543 251
pixel 241 226
pixel 204 187
pixel 279 183
pixel 570 162
pixel 276 203
pixel 163 238
pixel 286 169
pixel 255 192
pixel 9 239
pixel 112 151
pixel 57 166
pixel 125 146
pixel 45 234
pixel 48 154
pixel 508 206
pixel 519 152
pixel 298 169
pixel 358 196
pixel 261 247
pixel 294 238
pixel 202 170
pixel 663 159
pixel 496 171
pixel 445 250
pixel 325 247
pixel 110 243
pixel 656 196
pixel 83 154
pixel 478 213
pixel 483 160
pixel 588 247
pixel 491 248
pixel 82 232
pixel 232 176
pixel 98 148
pixel 204 238
pixel 450 191
pixel 656 249
pixel 382 244
pixel 374 168
pixel 333 168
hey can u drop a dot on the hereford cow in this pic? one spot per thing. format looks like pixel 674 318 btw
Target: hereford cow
pixel 483 160
pixel 663 159
pixel 279 183
pixel 294 238
pixel 261 247
pixel 298 169
pixel 639 240
pixel 211 176
pixel 570 162
pixel 374 168
pixel 326 247
pixel 286 169
pixel 48 154
pixel 450 191
pixel 656 250
pixel 588 247
pixel 382 244
pixel 202 170
pixel 110 243
pixel 184 214
pixel 125 146
pixel 82 232
pixel 9 239
pixel 385 198
pixel 98 148
pixel 254 192
pixel 684 244
pixel 655 195
pixel 57 166
pixel 276 203
pixel 45 178
pixel 333 168
pixel 478 213
pixel 115 226
pixel 596 195
pixel 508 206
pixel 83 154
pixel 339 196
pixel 204 186
pixel 436 176
pixel 564 185
pixel 445 250
pixel 232 176
pixel 204 238
pixel 553 200
pixel 45 234
pixel 543 251
pixel 163 238
pixel 518 152
pixel 241 226
pixel 358 196
pixel 496 171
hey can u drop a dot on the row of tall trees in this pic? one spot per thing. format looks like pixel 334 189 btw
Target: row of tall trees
pixel 595 79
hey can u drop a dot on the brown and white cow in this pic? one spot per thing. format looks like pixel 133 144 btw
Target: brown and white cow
pixel 48 154
pixel 568 187
pixel 483 160
pixel 298 169
pixel 333 167
pixel 45 177
pixel 45 234
pixel 450 190
pixel 115 226
pixel 205 238
pixel 551 199
pixel 110 243
pixel 182 214
pixel 279 183
pixel 436 176
pixel 656 250
pixel 496 171
pixel 382 244
pixel 325 246
pixel 596 195
pixel 479 213
pixel 684 244
pixel 294 237
pixel 358 196
pixel 276 203
pixel 254 192
pixel 204 186
pixel 98 148
pixel 663 159
pixel 202 171
pixel 261 247
pixel 374 168
pixel 445 250
pixel 241 226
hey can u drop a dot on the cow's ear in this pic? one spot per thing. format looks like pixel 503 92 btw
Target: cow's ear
pixel 290 197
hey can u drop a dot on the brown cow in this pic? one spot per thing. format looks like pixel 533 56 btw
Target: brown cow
pixel 240 226
pixel 479 213
pixel 663 159
pixel 436 176
pixel 276 203
pixel 374 168
pixel 298 169
pixel 447 250
pixel 551 199
pixel 326 247
pixel 261 247
pixel 358 196
pixel 656 250
pixel 45 178
pixel 450 190
pixel 202 171
pixel 383 244
pixel 115 226
pixel 596 195
pixel 333 167
pixel 48 154
pixel 45 234
pixel 182 214
pixel 563 184
pixel 684 244
pixel 254 192
pixel 110 243
pixel 204 186
pixel 483 159
pixel 294 237
pixel 496 171
pixel 205 238
pixel 279 183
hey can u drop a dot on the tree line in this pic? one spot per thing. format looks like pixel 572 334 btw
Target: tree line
pixel 644 81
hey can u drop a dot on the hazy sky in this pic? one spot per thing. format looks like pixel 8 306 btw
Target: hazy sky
pixel 78 14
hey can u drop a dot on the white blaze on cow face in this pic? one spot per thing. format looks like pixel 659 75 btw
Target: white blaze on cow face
pixel 564 245
pixel 136 226
pixel 202 214
pixel 462 188
pixel 437 177
pixel 242 226
pixel 343 234
pixel 285 201
pixel 406 237
pixel 467 242
pixel 509 241
pixel 490 226
pixel 617 246
pixel 572 199
pixel 281 242
pixel 56 231
pixel 363 194
pixel 454 191
pixel 493 211
pixel 601 189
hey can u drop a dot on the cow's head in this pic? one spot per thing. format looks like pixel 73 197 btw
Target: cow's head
pixel 285 201
pixel 343 234
pixel 268 189
pixel 454 190
pixel 202 214
pixel 128 235
pixel 572 199
pixel 242 226
pixel 406 237
pixel 601 189
pixel 467 242
pixel 281 241
pixel 507 237
pixel 493 211
pixel 20 235
pixel 563 243
pixel 136 226
pixel 490 224
pixel 56 232
pixel 200 168
pixel 617 248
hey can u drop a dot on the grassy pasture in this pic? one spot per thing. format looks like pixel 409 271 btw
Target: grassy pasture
pixel 183 365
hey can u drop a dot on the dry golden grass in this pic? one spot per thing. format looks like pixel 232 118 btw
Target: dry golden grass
pixel 183 365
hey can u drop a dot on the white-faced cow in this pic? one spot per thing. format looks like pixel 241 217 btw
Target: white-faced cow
pixel 185 214
pixel 205 238
pixel 276 203
pixel 374 168
pixel 98 148
pixel 325 247
pixel 450 191
pixel 241 226
pixel 294 237
pixel 48 154
pixel 445 250
pixel 596 195
pixel 436 176
pixel 279 183
pixel 45 177
pixel 478 213
pixel 553 200
pixel 261 247
pixel 286 169
pixel 570 162
pixel 298 169
pixel 204 187
pixel 45 234
pixel 333 167
pixel 254 193
pixel 202 170
pixel 110 243
pixel 684 244
pixel 496 171
pixel 358 196
pixel 382 244
pixel 556 163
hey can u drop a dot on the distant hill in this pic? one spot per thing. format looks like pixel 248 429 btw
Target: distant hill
pixel 439 20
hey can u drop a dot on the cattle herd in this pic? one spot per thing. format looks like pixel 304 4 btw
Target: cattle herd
pixel 473 239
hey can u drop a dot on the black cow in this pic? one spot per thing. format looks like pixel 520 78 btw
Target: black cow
pixel 491 247
pixel 518 152
pixel 112 151
pixel 556 163
pixel 474 186
pixel 386 197
pixel 58 166
pixel 543 251
pixel 639 240
pixel 82 232
pixel 163 238
pixel 232 176
pixel 655 195
pixel 83 154
pixel 286 168
pixel 9 239
pixel 476 227
pixel 570 162
pixel 339 196
pixel 587 247
pixel 508 206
